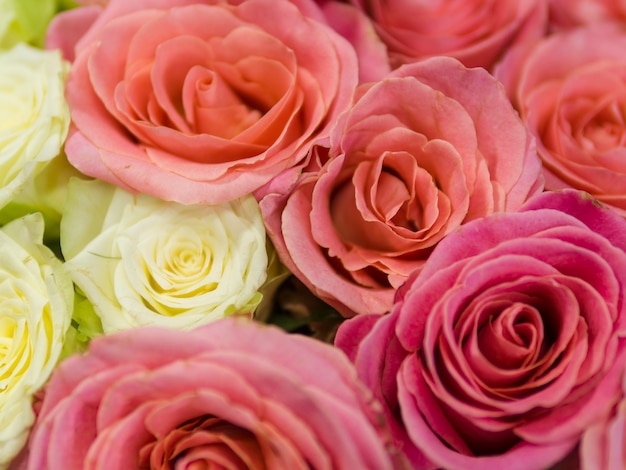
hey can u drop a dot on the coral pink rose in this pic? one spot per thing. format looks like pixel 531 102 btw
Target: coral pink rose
pixel 565 14
pixel 509 343
pixel 423 151
pixel 570 89
pixel 234 394
pixel 200 101
pixel 475 32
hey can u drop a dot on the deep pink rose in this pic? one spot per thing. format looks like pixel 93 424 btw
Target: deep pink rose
pixel 567 14
pixel 509 343
pixel 200 101
pixel 233 394
pixel 570 89
pixel 475 32
pixel 423 151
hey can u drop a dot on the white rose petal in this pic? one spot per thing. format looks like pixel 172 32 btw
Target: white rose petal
pixel 142 261
pixel 34 116
pixel 36 298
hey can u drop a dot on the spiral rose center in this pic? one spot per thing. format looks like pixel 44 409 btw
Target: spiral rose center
pixel 357 224
pixel 374 204
pixel 226 81
pixel 513 339
pixel 186 258
pixel 394 202
pixel 590 109
pixel 211 106
pixel 513 335
pixel 605 130
pixel 179 260
pixel 204 442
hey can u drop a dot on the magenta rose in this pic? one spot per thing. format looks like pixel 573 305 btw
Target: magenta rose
pixel 570 89
pixel 476 32
pixel 200 101
pixel 509 343
pixel 233 394
pixel 421 152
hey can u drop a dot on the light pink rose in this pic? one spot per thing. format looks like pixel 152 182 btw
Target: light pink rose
pixel 570 89
pixel 233 394
pixel 66 28
pixel 603 445
pixel 567 14
pixel 200 101
pixel 421 152
pixel 356 27
pixel 475 32
pixel 509 343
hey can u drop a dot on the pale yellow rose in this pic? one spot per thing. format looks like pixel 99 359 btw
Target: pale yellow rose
pixel 143 261
pixel 24 21
pixel 36 298
pixel 34 116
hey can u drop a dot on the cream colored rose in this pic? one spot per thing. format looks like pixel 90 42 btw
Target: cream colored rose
pixel 36 297
pixel 144 261
pixel 34 116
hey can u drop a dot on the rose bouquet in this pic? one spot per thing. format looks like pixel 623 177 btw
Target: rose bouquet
pixel 326 234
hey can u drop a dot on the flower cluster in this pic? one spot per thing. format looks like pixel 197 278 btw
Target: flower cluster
pixel 326 234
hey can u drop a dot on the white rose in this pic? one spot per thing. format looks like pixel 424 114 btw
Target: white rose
pixel 36 298
pixel 34 116
pixel 143 261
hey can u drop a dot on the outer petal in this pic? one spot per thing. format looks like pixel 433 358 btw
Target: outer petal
pixel 316 413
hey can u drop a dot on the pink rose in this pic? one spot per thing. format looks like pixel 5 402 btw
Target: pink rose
pixel 567 14
pixel 509 343
pixel 475 32
pixel 200 101
pixel 421 152
pixel 91 2
pixel 356 27
pixel 570 89
pixel 603 445
pixel 233 394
